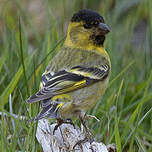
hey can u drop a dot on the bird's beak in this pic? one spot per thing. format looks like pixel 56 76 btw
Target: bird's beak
pixel 103 28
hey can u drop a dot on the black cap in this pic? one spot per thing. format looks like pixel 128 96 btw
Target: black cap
pixel 87 16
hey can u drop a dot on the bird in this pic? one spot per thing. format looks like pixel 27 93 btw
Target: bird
pixel 78 75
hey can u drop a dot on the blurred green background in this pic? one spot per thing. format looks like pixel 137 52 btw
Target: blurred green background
pixel 32 31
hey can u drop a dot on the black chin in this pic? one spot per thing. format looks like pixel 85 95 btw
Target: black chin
pixel 98 39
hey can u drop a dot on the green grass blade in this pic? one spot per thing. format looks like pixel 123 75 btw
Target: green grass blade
pixel 133 116
pixel 121 73
pixel 22 57
pixel 116 130
pixel 2 60
pixel 117 136
pixel 10 87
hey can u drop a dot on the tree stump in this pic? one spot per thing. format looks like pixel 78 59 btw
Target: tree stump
pixel 64 139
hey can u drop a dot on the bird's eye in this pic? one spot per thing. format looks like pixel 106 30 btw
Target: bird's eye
pixel 87 26
pixel 96 23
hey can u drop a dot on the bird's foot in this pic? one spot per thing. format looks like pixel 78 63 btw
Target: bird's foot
pixel 80 142
pixel 60 122
pixel 88 136
pixel 86 129
pixel 69 121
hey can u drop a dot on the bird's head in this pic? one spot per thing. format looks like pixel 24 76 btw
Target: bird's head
pixel 86 28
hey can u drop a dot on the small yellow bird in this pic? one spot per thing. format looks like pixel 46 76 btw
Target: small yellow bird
pixel 78 75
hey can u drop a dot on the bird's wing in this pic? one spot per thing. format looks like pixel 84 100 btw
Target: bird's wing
pixel 69 80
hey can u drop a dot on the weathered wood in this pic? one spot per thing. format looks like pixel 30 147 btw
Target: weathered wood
pixel 64 139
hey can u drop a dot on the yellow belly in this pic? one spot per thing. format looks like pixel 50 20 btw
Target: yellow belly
pixel 83 99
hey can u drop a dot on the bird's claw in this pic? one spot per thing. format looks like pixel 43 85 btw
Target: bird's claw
pixel 60 122
pixel 79 143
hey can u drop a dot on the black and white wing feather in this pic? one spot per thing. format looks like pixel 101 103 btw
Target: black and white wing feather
pixel 69 80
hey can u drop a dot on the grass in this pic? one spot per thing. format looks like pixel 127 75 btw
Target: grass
pixel 125 111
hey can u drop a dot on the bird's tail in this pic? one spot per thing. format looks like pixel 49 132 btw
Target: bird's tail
pixel 49 109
